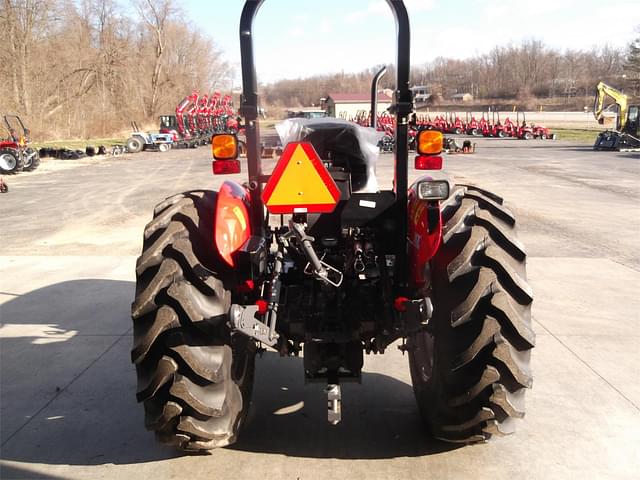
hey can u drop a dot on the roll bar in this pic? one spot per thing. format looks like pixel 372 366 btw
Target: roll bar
pixel 401 108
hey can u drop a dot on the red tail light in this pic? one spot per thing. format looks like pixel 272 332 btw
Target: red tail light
pixel 232 226
pixel 428 162
pixel 225 167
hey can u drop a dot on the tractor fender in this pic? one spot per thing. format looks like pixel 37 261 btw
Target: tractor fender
pixel 424 232
pixel 143 138
pixel 231 223
pixel 8 144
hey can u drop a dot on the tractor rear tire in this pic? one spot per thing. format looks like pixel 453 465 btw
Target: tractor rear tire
pixel 528 136
pixel 135 145
pixel 194 376
pixel 470 367
pixel 34 160
pixel 10 161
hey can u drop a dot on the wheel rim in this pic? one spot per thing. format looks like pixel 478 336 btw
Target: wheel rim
pixel 7 161
pixel 30 154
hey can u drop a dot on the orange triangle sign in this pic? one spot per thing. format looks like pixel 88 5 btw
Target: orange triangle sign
pixel 300 183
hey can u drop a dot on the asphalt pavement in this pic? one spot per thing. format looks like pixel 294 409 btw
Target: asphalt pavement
pixel 70 234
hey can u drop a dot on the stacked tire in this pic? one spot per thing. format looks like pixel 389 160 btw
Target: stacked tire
pixel 12 161
pixel 194 376
pixel 470 366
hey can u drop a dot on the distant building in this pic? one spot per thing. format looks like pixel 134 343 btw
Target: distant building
pixel 347 105
pixel 421 94
pixel 462 97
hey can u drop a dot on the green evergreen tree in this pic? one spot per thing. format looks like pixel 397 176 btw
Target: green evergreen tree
pixel 632 65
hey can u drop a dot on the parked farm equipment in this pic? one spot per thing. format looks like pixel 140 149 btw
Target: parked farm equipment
pixel 523 131
pixel 454 124
pixel 139 141
pixel 489 125
pixel 346 269
pixel 626 136
pixel 526 131
pixel 472 127
pixel 198 117
pixel 15 153
pixel 543 133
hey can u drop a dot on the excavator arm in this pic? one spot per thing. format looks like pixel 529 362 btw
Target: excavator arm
pixel 602 92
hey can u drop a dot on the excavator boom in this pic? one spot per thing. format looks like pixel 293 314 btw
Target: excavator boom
pixel 602 92
pixel 626 136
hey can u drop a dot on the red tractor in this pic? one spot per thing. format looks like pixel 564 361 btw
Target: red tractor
pixel 472 126
pixel 526 131
pixel 440 123
pixel 15 153
pixel 543 133
pixel 485 126
pixel 523 131
pixel 454 124
pixel 497 129
pixel 509 128
pixel 314 257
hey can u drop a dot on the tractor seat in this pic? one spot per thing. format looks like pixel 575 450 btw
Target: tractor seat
pixel 346 144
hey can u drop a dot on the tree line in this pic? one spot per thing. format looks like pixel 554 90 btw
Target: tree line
pixel 89 67
pixel 530 70
pixel 81 68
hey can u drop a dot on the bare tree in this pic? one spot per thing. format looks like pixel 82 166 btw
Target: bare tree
pixel 22 20
pixel 155 14
pixel 632 64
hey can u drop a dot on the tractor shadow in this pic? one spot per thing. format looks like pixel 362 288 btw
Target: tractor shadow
pixel 380 418
pixel 67 390
pixel 67 386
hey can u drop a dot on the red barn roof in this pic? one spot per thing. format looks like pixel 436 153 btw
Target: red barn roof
pixel 356 97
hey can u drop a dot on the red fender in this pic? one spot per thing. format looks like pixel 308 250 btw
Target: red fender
pixel 232 227
pixel 424 233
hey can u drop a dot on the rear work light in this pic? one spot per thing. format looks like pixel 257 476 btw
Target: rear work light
pixel 433 190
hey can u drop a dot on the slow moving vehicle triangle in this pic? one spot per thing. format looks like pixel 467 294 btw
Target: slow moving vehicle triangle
pixel 300 183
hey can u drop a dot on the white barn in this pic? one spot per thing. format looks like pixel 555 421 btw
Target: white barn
pixel 347 105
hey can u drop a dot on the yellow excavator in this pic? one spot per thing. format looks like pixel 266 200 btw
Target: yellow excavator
pixel 626 136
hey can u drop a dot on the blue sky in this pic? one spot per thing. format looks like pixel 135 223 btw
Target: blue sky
pixel 298 38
